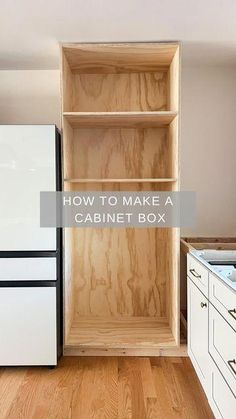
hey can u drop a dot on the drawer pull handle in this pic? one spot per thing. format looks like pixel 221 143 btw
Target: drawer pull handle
pixel 194 273
pixel 232 365
pixel 232 313
pixel 203 305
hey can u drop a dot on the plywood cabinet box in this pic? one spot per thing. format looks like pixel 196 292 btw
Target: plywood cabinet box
pixel 120 105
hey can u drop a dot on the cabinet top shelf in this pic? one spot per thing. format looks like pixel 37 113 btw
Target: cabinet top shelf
pixel 120 119
pixel 119 57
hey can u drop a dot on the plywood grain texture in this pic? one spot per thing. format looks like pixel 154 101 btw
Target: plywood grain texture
pixel 126 332
pixel 119 119
pixel 68 149
pixel 121 180
pixel 217 243
pixel 120 92
pixel 173 82
pixel 119 58
pixel 121 271
pixel 122 153
pixel 68 294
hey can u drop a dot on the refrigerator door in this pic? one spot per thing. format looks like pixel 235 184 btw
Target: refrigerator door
pixel 28 326
pixel 27 166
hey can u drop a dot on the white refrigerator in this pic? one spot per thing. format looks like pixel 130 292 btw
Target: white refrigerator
pixel 30 256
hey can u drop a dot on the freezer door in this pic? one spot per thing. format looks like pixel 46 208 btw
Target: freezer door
pixel 27 166
pixel 28 269
pixel 28 326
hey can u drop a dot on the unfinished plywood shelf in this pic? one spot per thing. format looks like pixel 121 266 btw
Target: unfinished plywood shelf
pixel 126 332
pixel 120 110
pixel 120 119
pixel 119 58
pixel 149 180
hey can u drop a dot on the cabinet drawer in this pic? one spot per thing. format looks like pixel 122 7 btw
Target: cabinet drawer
pixel 28 269
pixel 222 346
pixel 198 334
pixel 198 274
pixel 223 298
pixel 222 400
pixel 28 326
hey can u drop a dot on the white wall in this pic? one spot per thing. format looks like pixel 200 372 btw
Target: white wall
pixel 30 97
pixel 208 147
pixel 208 134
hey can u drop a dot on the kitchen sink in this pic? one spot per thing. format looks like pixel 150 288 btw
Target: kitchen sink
pixel 222 262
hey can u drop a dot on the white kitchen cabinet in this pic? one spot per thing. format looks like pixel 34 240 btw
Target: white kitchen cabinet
pixel 28 326
pixel 222 399
pixel 198 333
pixel 198 274
pixel 212 337
pixel 222 346
pixel 223 299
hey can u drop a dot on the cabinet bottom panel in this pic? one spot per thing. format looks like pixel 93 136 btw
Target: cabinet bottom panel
pixel 122 334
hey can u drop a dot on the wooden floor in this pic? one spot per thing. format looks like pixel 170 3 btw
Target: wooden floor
pixel 104 388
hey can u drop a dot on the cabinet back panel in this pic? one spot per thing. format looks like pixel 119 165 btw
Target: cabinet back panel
pixel 121 272
pixel 121 153
pixel 119 92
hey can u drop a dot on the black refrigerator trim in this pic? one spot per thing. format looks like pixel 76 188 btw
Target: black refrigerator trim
pixel 59 240
pixel 28 253
pixel 27 284
pixel 58 160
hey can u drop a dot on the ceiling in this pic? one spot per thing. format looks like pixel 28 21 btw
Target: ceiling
pixel 30 30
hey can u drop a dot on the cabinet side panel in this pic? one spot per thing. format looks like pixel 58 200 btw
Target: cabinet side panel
pixel 67 84
pixel 173 83
pixel 69 279
pixel 174 304
pixel 68 135
pixel 174 286
pixel 173 150
pixel 68 149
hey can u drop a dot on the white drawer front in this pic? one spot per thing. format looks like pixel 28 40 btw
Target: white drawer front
pixel 223 298
pixel 222 346
pixel 198 274
pixel 222 400
pixel 28 269
pixel 198 334
pixel 28 326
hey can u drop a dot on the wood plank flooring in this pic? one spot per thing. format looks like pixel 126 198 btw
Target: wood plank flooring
pixel 104 388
